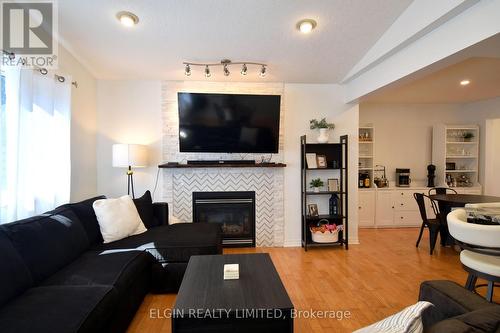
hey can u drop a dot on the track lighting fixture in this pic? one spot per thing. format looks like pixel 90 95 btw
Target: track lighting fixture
pixel 225 63
pixel 263 71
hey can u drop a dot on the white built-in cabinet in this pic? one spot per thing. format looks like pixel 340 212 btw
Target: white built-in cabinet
pixel 384 214
pixel 395 207
pixel 455 153
pixel 390 208
pixel 366 216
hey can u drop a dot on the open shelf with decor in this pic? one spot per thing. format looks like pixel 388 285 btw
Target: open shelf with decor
pixel 365 159
pixel 324 193
pixel 455 152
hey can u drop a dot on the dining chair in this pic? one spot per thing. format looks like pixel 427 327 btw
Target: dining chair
pixel 480 256
pixel 442 190
pixel 433 224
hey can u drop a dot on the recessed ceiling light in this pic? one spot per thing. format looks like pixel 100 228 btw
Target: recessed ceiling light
pixel 128 19
pixel 306 26
pixel 464 82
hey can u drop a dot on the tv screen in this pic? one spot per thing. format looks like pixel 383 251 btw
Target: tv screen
pixel 228 123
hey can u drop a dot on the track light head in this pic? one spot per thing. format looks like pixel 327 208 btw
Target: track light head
pixel 244 69
pixel 187 70
pixel 263 71
pixel 207 72
pixel 226 70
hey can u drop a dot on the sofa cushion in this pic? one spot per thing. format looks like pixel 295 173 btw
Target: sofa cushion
pixel 15 277
pixel 49 241
pixel 118 218
pixel 59 309
pixel 407 320
pixel 115 268
pixel 486 320
pixel 145 208
pixel 86 214
pixel 174 243
pixel 450 300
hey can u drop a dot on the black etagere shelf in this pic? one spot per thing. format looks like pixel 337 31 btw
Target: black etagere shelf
pixel 337 160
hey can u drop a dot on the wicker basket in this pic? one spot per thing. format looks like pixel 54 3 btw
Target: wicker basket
pixel 325 237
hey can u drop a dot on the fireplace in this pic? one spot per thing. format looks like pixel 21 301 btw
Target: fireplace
pixel 234 211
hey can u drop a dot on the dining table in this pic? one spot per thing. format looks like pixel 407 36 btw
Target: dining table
pixel 446 202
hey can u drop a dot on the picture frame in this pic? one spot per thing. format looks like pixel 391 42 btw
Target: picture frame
pixel 312 210
pixel 311 160
pixel 451 166
pixel 321 161
pixel 333 185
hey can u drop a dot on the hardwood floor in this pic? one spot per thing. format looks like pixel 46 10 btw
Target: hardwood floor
pixel 372 280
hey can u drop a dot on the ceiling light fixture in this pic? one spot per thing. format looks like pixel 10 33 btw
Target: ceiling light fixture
pixel 225 63
pixel 128 19
pixel 305 26
pixel 464 82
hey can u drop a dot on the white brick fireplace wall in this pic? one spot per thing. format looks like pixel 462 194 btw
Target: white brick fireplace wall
pixel 179 184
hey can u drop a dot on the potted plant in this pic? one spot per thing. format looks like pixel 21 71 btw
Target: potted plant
pixel 468 136
pixel 316 184
pixel 323 127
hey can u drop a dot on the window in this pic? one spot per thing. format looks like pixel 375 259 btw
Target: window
pixel 3 138
pixel 34 143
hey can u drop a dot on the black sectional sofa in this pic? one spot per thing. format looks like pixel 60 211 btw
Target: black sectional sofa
pixel 56 275
pixel 457 310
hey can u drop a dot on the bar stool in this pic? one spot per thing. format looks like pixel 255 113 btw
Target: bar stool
pixel 481 249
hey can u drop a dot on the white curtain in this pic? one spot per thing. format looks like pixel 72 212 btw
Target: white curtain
pixel 37 144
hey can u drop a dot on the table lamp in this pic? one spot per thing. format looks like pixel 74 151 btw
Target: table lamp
pixel 128 156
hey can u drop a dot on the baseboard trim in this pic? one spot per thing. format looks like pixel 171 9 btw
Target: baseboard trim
pixel 292 243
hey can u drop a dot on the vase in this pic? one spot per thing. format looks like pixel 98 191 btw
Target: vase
pixel 323 135
pixel 316 189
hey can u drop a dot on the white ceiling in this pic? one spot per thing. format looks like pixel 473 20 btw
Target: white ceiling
pixel 440 82
pixel 173 31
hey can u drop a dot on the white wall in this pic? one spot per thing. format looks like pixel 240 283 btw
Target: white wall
pixel 83 127
pixel 403 134
pixel 130 111
pixel 127 112
pixel 478 113
pixel 492 157
pixel 305 102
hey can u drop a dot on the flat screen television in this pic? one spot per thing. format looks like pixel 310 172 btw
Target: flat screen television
pixel 228 123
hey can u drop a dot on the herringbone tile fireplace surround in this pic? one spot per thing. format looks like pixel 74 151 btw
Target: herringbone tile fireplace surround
pixel 179 184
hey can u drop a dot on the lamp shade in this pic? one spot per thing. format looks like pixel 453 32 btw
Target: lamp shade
pixel 125 155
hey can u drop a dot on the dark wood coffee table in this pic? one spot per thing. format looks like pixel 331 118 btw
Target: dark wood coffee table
pixel 256 302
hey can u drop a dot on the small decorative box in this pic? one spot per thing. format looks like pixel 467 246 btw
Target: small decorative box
pixel 231 271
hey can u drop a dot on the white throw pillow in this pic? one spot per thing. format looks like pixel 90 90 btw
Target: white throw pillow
pixel 118 218
pixel 409 320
